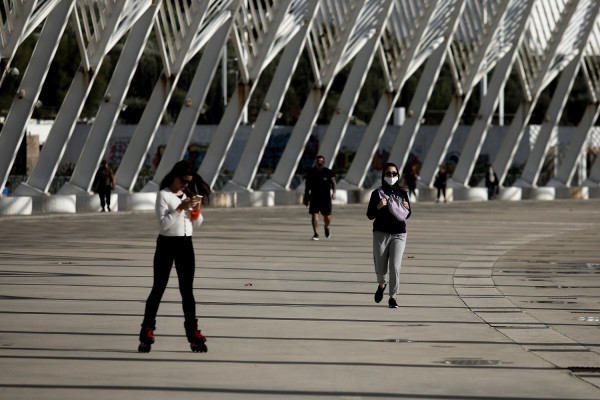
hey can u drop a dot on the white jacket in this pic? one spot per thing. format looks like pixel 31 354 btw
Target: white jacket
pixel 170 222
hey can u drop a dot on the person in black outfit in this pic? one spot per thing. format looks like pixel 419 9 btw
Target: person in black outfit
pixel 440 182
pixel 389 233
pixel 104 183
pixel 319 181
pixel 491 181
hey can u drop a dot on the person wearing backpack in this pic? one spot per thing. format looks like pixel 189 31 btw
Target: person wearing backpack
pixel 389 231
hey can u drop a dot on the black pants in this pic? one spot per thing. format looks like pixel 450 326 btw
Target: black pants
pixel 104 194
pixel 169 249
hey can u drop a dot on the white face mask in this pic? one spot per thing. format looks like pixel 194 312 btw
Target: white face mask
pixel 391 180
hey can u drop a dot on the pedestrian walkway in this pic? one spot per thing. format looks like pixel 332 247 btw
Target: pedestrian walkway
pixel 499 300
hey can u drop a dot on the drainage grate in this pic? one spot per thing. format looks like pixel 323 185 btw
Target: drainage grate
pixel 587 319
pixel 469 361
pixel 397 341
pixel 584 369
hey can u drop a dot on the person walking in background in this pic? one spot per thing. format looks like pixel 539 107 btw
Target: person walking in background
pixel 491 181
pixel 178 210
pixel 389 232
pixel 411 180
pixel 441 179
pixel 104 183
pixel 318 193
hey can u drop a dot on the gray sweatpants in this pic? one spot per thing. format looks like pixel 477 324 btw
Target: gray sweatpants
pixel 387 250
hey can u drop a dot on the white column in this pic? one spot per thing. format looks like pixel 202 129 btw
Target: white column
pixel 29 90
pixel 97 140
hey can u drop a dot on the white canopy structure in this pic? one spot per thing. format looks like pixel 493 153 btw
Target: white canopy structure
pixel 544 41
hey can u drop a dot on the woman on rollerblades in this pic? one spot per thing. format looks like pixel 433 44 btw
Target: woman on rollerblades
pixel 178 210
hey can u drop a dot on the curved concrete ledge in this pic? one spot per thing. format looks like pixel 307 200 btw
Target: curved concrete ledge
pixel 17 205
pixel 255 199
pixel 539 193
pixel 430 194
pixel 55 204
pixel 469 194
pixel 288 197
pixel 223 199
pixel 91 202
pixel 341 196
pixel 593 192
pixel 136 201
pixel 145 201
pixel 510 193
pixel 580 193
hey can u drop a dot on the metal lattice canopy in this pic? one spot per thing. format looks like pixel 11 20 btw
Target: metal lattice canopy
pixel 543 40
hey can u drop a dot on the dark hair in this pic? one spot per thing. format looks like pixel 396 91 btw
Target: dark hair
pixel 180 169
pixel 197 186
pixel 397 186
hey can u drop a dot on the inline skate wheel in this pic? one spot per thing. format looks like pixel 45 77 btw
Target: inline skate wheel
pixel 144 348
pixel 198 347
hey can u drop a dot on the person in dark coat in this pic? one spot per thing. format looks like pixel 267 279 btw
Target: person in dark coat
pixel 104 183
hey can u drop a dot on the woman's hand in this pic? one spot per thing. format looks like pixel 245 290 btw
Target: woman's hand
pixel 405 204
pixel 188 204
pixel 382 203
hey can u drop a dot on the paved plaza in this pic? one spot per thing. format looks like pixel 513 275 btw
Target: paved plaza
pixel 499 300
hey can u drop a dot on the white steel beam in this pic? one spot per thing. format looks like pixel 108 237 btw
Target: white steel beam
pixel 328 57
pixel 591 71
pixel 179 44
pixel 538 62
pixel 478 132
pixel 20 19
pixel 471 46
pixel 190 111
pixel 411 39
pixel 261 132
pixel 336 130
pixel 99 35
pixel 583 24
pixel 568 165
pixel 97 140
pixel 31 86
pixel 258 38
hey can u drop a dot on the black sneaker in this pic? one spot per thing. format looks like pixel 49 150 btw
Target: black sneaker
pixel 316 236
pixel 327 233
pixel 392 303
pixel 379 293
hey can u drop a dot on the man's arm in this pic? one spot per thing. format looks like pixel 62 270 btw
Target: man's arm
pixel 333 186
pixel 306 189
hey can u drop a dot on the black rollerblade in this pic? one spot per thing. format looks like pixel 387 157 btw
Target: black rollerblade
pixel 196 339
pixel 146 336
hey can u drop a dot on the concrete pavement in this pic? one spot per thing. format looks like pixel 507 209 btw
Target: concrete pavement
pixel 499 300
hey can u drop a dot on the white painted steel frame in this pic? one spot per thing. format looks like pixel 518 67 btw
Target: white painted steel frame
pixel 250 160
pixel 258 37
pixel 517 16
pixel 574 42
pixel 97 38
pixel 178 43
pixel 560 37
pixel 538 64
pixel 475 49
pixel 329 54
pixel 401 57
pixel 30 87
pixel 83 175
